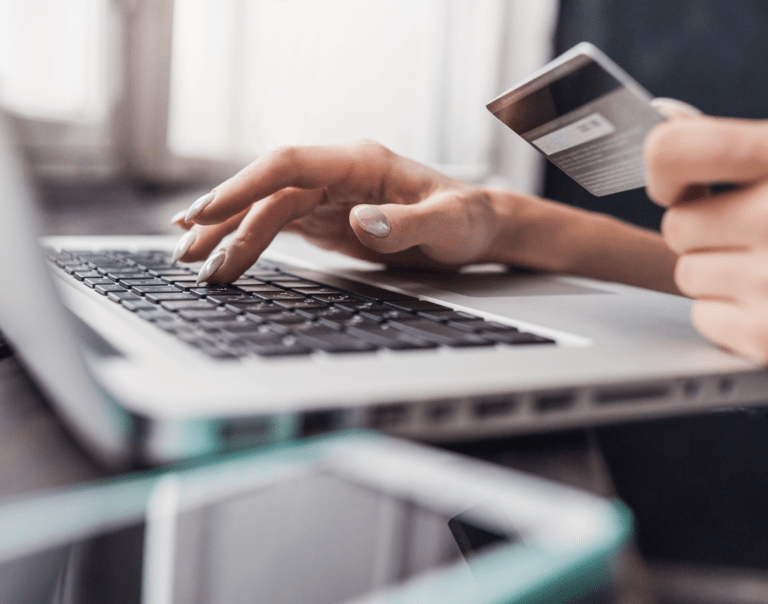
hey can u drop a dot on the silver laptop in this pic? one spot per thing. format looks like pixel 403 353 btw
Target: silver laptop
pixel 310 342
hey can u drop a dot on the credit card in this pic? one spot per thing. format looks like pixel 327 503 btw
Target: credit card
pixel 587 116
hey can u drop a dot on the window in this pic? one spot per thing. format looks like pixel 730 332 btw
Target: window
pixel 167 88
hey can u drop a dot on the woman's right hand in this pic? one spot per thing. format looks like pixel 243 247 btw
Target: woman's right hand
pixel 359 199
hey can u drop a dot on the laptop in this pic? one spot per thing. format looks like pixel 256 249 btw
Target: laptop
pixel 310 342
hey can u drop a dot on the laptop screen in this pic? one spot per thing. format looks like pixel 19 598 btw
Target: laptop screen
pixel 34 321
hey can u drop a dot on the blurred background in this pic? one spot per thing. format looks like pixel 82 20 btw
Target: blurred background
pixel 132 106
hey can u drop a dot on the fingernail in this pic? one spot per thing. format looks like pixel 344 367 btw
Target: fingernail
pixel 373 220
pixel 665 104
pixel 199 205
pixel 183 245
pixel 211 266
pixel 178 217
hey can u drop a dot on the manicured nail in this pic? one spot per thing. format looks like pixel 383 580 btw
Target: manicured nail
pixel 199 205
pixel 664 103
pixel 211 266
pixel 178 217
pixel 373 220
pixel 183 245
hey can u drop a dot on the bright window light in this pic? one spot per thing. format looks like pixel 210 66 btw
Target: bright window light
pixel 248 76
pixel 54 58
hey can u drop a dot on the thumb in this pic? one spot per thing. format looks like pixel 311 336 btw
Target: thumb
pixel 673 109
pixel 449 227
pixel 388 228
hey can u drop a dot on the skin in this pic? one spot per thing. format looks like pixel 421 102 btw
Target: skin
pixel 721 239
pixel 438 222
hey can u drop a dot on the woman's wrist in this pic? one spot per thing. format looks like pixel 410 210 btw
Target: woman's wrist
pixel 545 235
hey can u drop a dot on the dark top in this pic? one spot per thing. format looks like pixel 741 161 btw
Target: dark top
pixel 710 53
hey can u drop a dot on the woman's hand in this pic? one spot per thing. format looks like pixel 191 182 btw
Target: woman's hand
pixel 360 199
pixel 722 238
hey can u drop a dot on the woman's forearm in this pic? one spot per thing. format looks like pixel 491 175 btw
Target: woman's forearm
pixel 554 237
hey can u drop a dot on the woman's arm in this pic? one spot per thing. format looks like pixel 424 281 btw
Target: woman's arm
pixel 550 236
pixel 363 200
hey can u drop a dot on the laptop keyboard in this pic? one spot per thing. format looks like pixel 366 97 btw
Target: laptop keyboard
pixel 278 311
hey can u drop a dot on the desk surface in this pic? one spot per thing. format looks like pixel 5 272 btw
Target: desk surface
pixel 35 451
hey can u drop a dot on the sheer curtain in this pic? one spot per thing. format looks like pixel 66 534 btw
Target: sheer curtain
pixel 171 89
pixel 251 75
pixel 58 75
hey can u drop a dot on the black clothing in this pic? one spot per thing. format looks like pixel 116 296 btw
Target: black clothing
pixel 698 485
pixel 709 53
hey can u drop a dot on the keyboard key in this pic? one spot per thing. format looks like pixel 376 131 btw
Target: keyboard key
pixel 338 298
pixel 175 306
pixel 249 281
pixel 134 305
pixel 285 316
pixel 361 305
pixel 254 307
pixel 142 282
pixel 119 296
pixel 78 268
pixel 260 288
pixel 233 299
pixel 387 337
pixel 285 322
pixel 418 306
pixel 93 282
pixel 313 291
pixel 176 296
pixel 171 272
pixel 302 304
pixel 330 340
pixel 292 283
pixel 190 281
pixel 279 295
pixel 352 287
pixel 81 275
pixel 215 290
pixel 156 314
pixel 387 314
pixel 156 289
pixel 63 262
pixel 341 323
pixel 233 328
pixel 127 274
pixel 272 345
pixel 332 313
pixel 105 289
pixel 206 315
pixel 440 333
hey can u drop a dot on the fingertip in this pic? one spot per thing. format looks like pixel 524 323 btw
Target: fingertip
pixel 178 220
pixel 199 205
pixel 372 220
pixel 674 108
pixel 659 151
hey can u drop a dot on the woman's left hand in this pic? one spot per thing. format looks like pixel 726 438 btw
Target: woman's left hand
pixel 721 238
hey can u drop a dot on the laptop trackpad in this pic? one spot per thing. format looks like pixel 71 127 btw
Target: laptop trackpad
pixel 493 282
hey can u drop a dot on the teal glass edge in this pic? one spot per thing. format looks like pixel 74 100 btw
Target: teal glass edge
pixel 533 572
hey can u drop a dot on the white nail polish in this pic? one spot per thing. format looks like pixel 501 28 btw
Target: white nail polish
pixel 199 205
pixel 178 217
pixel 211 266
pixel 373 220
pixel 183 245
